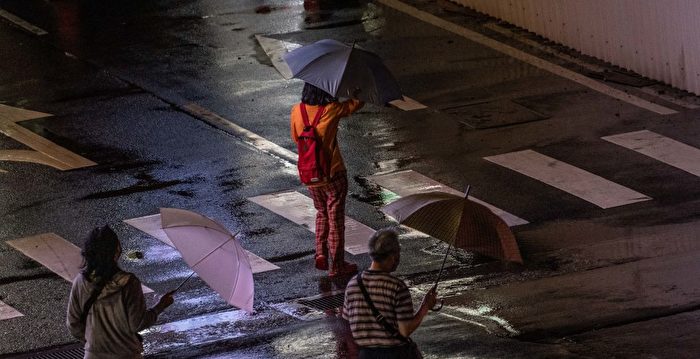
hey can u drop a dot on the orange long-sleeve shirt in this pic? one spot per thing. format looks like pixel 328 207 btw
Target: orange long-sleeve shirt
pixel 327 128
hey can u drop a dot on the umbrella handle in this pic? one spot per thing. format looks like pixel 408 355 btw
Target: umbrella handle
pixel 437 307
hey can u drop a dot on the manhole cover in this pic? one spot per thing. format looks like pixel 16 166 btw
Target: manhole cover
pixel 312 308
pixel 73 351
pixel 325 301
pixel 493 114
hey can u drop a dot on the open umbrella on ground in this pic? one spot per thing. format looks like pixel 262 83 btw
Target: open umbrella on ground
pixel 213 253
pixel 340 69
pixel 458 221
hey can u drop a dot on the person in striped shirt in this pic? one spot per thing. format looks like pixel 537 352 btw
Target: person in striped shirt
pixel 390 296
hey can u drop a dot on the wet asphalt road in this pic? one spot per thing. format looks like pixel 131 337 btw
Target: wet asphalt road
pixel 117 78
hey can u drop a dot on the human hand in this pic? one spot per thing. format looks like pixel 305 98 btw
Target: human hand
pixel 430 298
pixel 165 301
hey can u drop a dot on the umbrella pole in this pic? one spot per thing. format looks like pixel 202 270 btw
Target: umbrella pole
pixel 444 260
pixel 203 258
pixel 183 282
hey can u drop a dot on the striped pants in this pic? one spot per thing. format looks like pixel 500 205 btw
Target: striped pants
pixel 329 201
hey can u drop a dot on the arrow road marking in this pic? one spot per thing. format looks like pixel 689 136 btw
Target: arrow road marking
pixel 55 253
pixel 152 226
pixel 45 152
pixel 408 182
pixel 299 209
pixel 580 183
pixel 658 147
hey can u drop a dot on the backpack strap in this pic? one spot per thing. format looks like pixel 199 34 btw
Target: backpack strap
pixel 377 315
pixel 305 115
pixel 91 300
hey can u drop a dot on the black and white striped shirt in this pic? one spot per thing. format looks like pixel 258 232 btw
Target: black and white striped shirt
pixel 391 297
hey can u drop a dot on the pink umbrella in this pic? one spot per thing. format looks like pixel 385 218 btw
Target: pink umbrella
pixel 213 253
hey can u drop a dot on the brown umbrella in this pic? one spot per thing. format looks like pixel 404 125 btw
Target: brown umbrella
pixel 457 221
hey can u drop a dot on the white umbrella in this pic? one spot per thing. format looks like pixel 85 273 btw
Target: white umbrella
pixel 213 253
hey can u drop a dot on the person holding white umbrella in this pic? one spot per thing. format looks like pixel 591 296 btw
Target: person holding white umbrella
pixel 106 308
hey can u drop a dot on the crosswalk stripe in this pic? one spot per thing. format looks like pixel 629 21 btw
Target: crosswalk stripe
pixel 7 312
pixel 661 148
pixel 408 182
pixel 300 209
pixel 55 253
pixel 578 182
pixel 151 225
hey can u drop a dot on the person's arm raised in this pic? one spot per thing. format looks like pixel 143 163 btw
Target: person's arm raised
pixel 406 328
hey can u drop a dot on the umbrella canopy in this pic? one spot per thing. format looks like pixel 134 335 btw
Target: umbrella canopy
pixel 213 253
pixel 339 69
pixel 457 220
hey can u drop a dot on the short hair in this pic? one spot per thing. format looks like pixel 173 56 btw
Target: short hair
pixel 384 243
pixel 314 96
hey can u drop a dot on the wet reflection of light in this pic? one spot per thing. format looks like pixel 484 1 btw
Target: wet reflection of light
pixel 195 331
pixel 483 312
pixel 257 86
pixel 373 20
pixel 306 342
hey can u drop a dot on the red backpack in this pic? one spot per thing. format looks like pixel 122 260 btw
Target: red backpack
pixel 313 164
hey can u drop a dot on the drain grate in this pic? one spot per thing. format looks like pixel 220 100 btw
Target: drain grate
pixel 327 301
pixel 73 351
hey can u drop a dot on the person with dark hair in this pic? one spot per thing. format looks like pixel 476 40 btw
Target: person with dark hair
pixel 106 308
pixel 387 338
pixel 329 192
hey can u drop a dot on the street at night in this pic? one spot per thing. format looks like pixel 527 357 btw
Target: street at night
pixel 112 111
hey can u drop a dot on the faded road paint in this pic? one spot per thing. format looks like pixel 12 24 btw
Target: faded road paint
pixel 561 175
pixel 45 152
pixel 22 23
pixel 300 209
pixel 54 253
pixel 661 148
pixel 7 312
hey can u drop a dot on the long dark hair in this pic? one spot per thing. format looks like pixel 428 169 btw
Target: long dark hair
pixel 314 96
pixel 100 247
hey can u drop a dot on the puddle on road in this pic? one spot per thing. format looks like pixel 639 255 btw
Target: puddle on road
pixel 373 194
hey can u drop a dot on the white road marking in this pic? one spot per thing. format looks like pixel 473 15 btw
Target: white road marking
pixel 658 147
pixel 21 23
pixel 55 253
pixel 7 312
pixel 527 58
pixel 408 182
pixel 676 101
pixel 580 183
pixel 288 157
pixel 299 209
pixel 45 152
pixel 152 226
pixel 407 104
